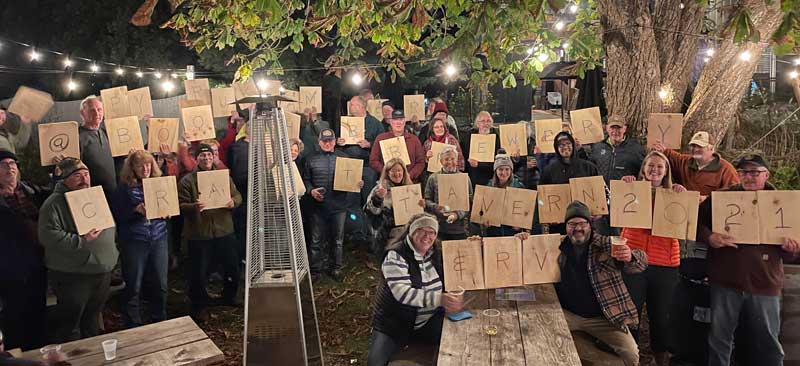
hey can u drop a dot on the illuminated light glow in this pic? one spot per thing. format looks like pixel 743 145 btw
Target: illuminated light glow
pixel 262 84
pixel 706 59
pixel 559 25
pixel 157 75
pixel 530 51
pixel 793 74
pixel 35 55
pixel 710 52
pixel 281 90
pixel 573 8
pixel 139 74
pixel 357 79
pixel 745 55
pixel 71 85
pixel 168 86
pixel 797 61
pixel 667 95
pixel 119 71
pixel 682 6
pixel 565 45
pixel 173 75
pixel 94 68
pixel 67 62
pixel 542 57
pixel 450 70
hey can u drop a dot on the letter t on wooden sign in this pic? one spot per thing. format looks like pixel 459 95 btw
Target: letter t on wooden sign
pixel 161 197
pixel 502 262
pixel 347 174
pixel 463 264
pixel 631 204
pixel 405 202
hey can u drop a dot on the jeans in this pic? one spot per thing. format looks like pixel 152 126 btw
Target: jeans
pixel 762 323
pixel 80 300
pixel 655 286
pixel 223 250
pixel 382 346
pixel 327 239
pixel 148 261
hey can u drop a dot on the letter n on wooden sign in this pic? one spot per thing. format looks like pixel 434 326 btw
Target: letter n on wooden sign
pixel 553 201
pixel 487 205
pixel 405 202
pixel 463 264
pixel 453 191
pixel 540 259
pixel 778 216
pixel 519 207
pixel 502 262
pixel 735 214
pixel 631 204
pixel 592 192
pixel 89 209
pixel 675 214
pixel 161 197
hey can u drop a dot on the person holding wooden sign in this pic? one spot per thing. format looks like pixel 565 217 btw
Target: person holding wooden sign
pixel 372 128
pixel 453 223
pixel 656 285
pixel 410 302
pixel 414 147
pixel 210 234
pixel 95 147
pixel 592 292
pixel 503 178
pixel 480 172
pixel 526 168
pixel 15 131
pixel 143 243
pixel 380 206
pixel 80 265
pixel 745 280
pixel 440 134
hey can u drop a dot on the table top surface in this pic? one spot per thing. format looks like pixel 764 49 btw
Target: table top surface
pixel 171 342
pixel 528 333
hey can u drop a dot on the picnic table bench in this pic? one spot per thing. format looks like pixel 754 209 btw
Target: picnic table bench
pixel 171 342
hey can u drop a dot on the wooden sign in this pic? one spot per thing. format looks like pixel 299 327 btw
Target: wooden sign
pixel 736 214
pixel 214 187
pixel 514 138
pixel 161 197
pixel 124 135
pixel 665 128
pixel 519 207
pixel 502 262
pixel 348 173
pixel 414 105
pixel 463 264
pixel 116 103
pixel 405 202
pixel 246 88
pixel 89 209
pixel 282 189
pixel 481 147
pixel 58 140
pixel 375 108
pixel 311 98
pixel 592 192
pixel 351 129
pixel 292 125
pixel 675 214
pixel 453 191
pixel 221 101
pixel 298 181
pixel 293 107
pixel 487 205
pixel 778 216
pixel 140 102
pixel 198 89
pixel 631 204
pixel 546 130
pixel 434 164
pixel 188 103
pixel 395 147
pixel 198 123
pixel 553 201
pixel 162 131
pixel 587 126
pixel 31 103
pixel 540 259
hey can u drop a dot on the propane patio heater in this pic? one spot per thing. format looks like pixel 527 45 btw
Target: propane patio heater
pixel 280 318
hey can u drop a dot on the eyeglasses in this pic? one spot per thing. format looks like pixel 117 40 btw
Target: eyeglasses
pixel 7 164
pixel 751 173
pixel 564 144
pixel 581 225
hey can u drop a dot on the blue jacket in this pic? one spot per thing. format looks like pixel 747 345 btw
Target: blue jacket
pixel 131 225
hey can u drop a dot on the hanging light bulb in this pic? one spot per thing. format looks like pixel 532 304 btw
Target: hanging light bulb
pixel 167 86
pixel 139 74
pixel 797 61
pixel 559 25
pixel 710 52
pixel 94 68
pixel 356 79
pixel 173 75
pixel 281 89
pixel 745 55
pixel 450 70
pixel 67 62
pixel 706 59
pixel 157 75
pixel 793 74
pixel 573 8
pixel 34 55
pixel 543 57
pixel 262 85
pixel 71 85
pixel 119 71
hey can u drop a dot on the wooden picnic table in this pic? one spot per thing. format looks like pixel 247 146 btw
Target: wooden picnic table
pixel 529 333
pixel 171 342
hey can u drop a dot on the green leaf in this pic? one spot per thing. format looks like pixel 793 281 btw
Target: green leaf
pixel 510 81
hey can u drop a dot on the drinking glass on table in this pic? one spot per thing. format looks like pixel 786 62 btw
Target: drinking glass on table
pixel 110 349
pixel 490 321
pixel 52 353
pixel 454 300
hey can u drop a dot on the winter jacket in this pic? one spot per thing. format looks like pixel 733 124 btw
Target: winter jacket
pixel 660 251
pixel 528 177
pixel 485 170
pixel 431 201
pixel 238 159
pixel 719 174
pixel 131 225
pixel 21 252
pixel 65 250
pixel 415 153
pixel 372 128
pixel 96 154
pixel 615 162
pixel 560 171
pixel 319 172
pixel 504 230
pixel 206 224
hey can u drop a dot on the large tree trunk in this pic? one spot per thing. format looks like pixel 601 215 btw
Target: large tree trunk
pixel 724 80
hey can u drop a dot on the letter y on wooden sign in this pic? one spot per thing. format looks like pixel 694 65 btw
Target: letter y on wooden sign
pixel 463 264
pixel 666 128
pixel 540 259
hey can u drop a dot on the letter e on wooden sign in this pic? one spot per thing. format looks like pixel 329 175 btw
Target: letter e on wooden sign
pixel 347 174
pixel 453 191
pixel 89 209
pixel 481 147
pixel 58 139
pixel 502 262
pixel 665 127
pixel 519 207
pixel 214 188
pixel 736 214
pixel 631 204
pixel 161 197
pixel 162 131
pixel 675 214
pixel 116 103
pixel 540 259
pixel 487 205
pixel 778 215
pixel 514 138
pixel 405 202
pixel 546 131
pixel 553 201
pixel 592 192
pixel 463 264
pixel 124 134
pixel 587 126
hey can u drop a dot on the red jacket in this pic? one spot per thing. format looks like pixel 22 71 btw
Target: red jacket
pixel 415 152
pixel 660 251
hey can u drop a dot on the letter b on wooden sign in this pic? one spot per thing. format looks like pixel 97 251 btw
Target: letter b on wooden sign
pixel 631 204
pixel 161 197
pixel 124 134
pixel 502 262
pixel 463 264
pixel 89 209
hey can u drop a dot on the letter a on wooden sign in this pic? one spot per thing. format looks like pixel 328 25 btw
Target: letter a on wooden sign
pixel 31 103
pixel 434 164
pixel 198 123
pixel 351 129
pixel 487 205
pixel 587 126
pixel 592 192
pixel 514 138
pixel 198 89
pixel 89 209
pixel 481 147
pixel 735 214
pixel 124 134
pixel 502 262
pixel 631 204
pixel 414 105
pixel 675 214
pixel 311 98
pixel 347 174
pixel 463 264
pixel 405 202
pixel 395 147
pixel 540 259
pixel 778 216
pixel 454 191
pixel 553 201
pixel 214 188
pixel 116 103
pixel 665 127
pixel 546 131
pixel 140 102
pixel 519 207
pixel 161 197
pixel 58 139
pixel 162 131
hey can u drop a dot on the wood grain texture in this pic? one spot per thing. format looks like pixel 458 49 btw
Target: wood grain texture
pixel 546 336
pixel 464 343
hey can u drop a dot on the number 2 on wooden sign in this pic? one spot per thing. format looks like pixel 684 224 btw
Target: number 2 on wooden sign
pixel 625 208
pixel 732 215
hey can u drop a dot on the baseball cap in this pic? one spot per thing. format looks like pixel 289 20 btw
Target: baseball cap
pixel 5 154
pixel 700 139
pixel 327 134
pixel 752 159
pixel 616 121
pixel 398 113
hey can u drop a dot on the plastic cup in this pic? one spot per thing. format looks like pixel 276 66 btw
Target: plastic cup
pixel 492 316
pixel 52 352
pixel 616 243
pixel 110 349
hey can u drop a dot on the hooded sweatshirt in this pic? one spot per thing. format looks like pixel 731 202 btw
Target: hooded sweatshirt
pixel 560 171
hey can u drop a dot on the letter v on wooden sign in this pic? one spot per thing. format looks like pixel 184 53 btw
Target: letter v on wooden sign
pixel 540 259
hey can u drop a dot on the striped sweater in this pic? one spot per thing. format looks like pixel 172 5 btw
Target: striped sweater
pixel 428 298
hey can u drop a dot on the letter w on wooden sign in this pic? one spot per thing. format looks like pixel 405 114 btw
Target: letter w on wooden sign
pixel 778 216
pixel 89 209
pixel 162 131
pixel 592 192
pixel 405 202
pixel 675 214
pixel 519 207
pixel 487 205
pixel 58 139
pixel 546 131
pixel 214 188
pixel 347 175
pixel 553 201
pixel 502 262
pixel 514 138
pixel 481 147
pixel 116 103
pixel 161 197
pixel 124 134
pixel 631 204
pixel 587 126
pixel 395 147
pixel 735 214
pixel 351 129
pixel 198 123
pixel 463 264
pixel 666 128
pixel 453 191
pixel 540 259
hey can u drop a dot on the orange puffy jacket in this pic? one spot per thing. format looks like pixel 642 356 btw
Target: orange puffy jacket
pixel 660 251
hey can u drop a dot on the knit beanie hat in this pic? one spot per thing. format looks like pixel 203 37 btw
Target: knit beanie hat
pixel 71 165
pixel 422 220
pixel 577 209
pixel 503 160
pixel 201 149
